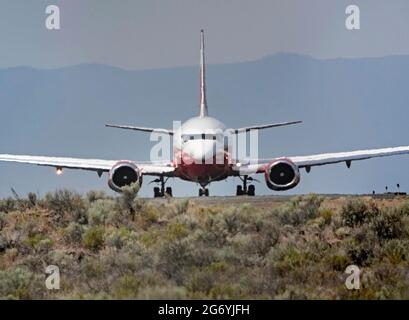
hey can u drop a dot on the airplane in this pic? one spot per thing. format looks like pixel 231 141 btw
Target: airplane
pixel 195 144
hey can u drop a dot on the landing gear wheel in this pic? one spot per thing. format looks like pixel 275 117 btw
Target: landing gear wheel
pixel 251 190
pixel 159 192
pixel 203 192
pixel 156 192
pixel 169 191
pixel 244 189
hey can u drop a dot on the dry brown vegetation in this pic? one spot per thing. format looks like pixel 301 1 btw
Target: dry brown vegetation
pixel 130 248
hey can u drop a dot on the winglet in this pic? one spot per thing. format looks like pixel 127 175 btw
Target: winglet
pixel 203 103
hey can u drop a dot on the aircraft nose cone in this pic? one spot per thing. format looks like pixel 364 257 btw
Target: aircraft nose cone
pixel 197 155
pixel 200 151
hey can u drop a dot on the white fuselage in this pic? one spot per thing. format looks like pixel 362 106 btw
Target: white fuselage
pixel 200 150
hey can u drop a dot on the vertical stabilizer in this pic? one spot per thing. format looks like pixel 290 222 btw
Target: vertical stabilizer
pixel 203 103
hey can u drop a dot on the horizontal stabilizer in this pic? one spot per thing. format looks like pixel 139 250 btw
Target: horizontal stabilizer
pixel 144 129
pixel 266 126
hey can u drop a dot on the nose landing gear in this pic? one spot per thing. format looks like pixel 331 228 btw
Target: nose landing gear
pixel 244 189
pixel 160 192
pixel 203 192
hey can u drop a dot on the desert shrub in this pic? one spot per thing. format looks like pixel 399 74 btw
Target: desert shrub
pixel 149 213
pixel 38 242
pixel 101 211
pixel 65 204
pixel 338 262
pixel 44 246
pixel 225 291
pixel 288 265
pixel 240 219
pixel 285 257
pixel 163 293
pixel 33 240
pixel 118 238
pixel 126 200
pixel 300 250
pixel 93 275
pixel 343 232
pixel 266 237
pixel 300 210
pixel 356 212
pixel 94 238
pixel 3 244
pixel 232 222
pixel 31 199
pixel 395 251
pixel 242 244
pixel 182 206
pixel 134 259
pixel 189 221
pixel 93 196
pixel 126 287
pixel 292 292
pixel 403 208
pixel 64 259
pixel 212 232
pixel 19 283
pixel 326 214
pixel 255 240
pixel 149 238
pixel 73 233
pixel 388 225
pixel 3 220
pixel 361 255
pixel 174 258
pixel 202 280
pixel 175 230
pixel 8 205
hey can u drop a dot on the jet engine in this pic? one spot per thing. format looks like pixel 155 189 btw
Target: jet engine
pixel 282 174
pixel 122 174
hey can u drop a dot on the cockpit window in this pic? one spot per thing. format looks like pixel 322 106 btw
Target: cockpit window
pixel 202 136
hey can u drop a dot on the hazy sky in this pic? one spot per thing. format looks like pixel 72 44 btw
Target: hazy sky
pixel 153 34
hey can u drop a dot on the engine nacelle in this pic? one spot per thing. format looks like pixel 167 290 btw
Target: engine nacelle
pixel 282 174
pixel 122 174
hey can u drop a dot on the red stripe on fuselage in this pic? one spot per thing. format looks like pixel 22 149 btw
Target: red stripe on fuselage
pixel 188 169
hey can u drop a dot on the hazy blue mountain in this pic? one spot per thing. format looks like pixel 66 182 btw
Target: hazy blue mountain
pixel 346 104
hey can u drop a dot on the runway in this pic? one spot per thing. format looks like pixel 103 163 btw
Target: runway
pixel 263 201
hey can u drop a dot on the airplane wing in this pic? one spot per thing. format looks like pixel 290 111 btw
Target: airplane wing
pixel 144 129
pixel 147 168
pixel 266 126
pixel 252 167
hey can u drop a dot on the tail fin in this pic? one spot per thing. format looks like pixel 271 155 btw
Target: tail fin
pixel 203 103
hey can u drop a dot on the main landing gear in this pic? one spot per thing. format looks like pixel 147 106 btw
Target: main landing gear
pixel 244 189
pixel 159 192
